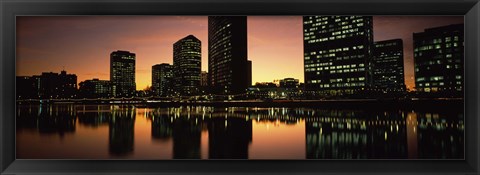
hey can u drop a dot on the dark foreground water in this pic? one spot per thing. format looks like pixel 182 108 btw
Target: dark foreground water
pixel 129 132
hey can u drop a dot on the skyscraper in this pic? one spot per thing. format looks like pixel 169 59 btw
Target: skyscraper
pixel 387 64
pixel 337 52
pixel 122 73
pixel 439 58
pixel 227 54
pixel 162 79
pixel 187 58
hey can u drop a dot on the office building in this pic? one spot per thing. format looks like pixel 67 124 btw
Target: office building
pixel 48 85
pixel 162 80
pixel 289 83
pixel 122 73
pixel 228 67
pixel 439 59
pixel 57 86
pixel 26 87
pixel 95 88
pixel 187 59
pixel 337 52
pixel 388 69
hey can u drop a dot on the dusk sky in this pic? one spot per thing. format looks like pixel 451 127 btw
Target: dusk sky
pixel 82 44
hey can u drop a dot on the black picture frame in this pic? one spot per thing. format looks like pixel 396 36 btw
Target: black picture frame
pixel 9 9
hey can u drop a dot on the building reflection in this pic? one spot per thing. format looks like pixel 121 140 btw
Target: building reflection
pixel 121 130
pixel 335 135
pixel 229 137
pixel 440 136
pixel 162 127
pixel 93 115
pixel 47 119
pixel 329 133
pixel 186 139
pixel 181 124
pixel 346 134
pixel 229 133
pixel 387 137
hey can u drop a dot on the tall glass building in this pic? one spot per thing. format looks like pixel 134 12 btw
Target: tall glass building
pixel 439 58
pixel 122 73
pixel 162 79
pixel 187 65
pixel 228 67
pixel 388 69
pixel 337 53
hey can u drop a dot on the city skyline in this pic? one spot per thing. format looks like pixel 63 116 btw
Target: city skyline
pixel 275 54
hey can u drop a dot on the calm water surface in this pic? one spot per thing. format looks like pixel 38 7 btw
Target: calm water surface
pixel 129 132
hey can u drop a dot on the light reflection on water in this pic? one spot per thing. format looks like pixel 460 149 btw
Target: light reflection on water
pixel 118 132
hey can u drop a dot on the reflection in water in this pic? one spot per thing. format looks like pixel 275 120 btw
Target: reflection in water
pixel 439 136
pixel 383 135
pixel 162 127
pixel 121 130
pixel 57 119
pixel 186 139
pixel 328 133
pixel 229 138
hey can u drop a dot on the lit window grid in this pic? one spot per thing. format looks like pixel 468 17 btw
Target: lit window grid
pixel 123 73
pixel 439 63
pixel 387 65
pixel 320 68
pixel 187 65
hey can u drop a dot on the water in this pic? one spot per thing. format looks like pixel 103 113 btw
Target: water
pixel 127 132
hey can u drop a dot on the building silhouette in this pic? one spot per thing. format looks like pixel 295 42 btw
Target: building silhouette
pixel 388 68
pixel 337 52
pixel 187 65
pixel 162 79
pixel 27 87
pixel 122 73
pixel 229 138
pixel 289 83
pixel 228 67
pixel 439 58
pixel 48 85
pixel 95 88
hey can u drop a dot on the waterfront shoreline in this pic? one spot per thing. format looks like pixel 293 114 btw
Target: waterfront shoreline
pixel 447 103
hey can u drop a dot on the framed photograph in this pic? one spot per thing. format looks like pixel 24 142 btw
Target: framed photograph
pixel 185 87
